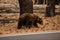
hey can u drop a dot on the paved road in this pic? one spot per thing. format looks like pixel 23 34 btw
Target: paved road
pixel 49 36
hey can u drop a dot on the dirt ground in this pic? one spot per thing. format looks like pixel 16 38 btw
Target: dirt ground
pixel 49 24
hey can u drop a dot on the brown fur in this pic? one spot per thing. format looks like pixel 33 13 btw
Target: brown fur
pixel 28 20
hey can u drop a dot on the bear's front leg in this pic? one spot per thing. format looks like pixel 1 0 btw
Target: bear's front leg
pixel 35 25
pixel 28 25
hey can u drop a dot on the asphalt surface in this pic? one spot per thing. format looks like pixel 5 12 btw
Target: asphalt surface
pixel 48 36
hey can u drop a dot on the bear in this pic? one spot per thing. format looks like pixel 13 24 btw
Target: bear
pixel 28 20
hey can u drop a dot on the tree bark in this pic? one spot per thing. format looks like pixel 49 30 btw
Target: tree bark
pixel 26 6
pixel 50 9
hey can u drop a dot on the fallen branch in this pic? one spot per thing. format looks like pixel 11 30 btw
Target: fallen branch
pixel 9 8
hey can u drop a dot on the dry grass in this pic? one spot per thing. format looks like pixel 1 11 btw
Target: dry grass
pixel 49 24
pixel 15 2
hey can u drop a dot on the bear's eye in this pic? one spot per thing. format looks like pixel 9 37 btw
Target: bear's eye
pixel 38 19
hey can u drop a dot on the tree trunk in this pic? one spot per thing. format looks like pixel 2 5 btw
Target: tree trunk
pixel 26 6
pixel 50 9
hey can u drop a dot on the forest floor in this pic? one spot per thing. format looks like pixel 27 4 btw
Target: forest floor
pixel 50 24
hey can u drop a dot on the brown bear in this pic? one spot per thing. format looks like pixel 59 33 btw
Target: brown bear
pixel 28 20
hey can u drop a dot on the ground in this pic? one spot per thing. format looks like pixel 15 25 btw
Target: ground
pixel 49 24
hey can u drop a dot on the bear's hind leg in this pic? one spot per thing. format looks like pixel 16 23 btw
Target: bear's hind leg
pixel 20 25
